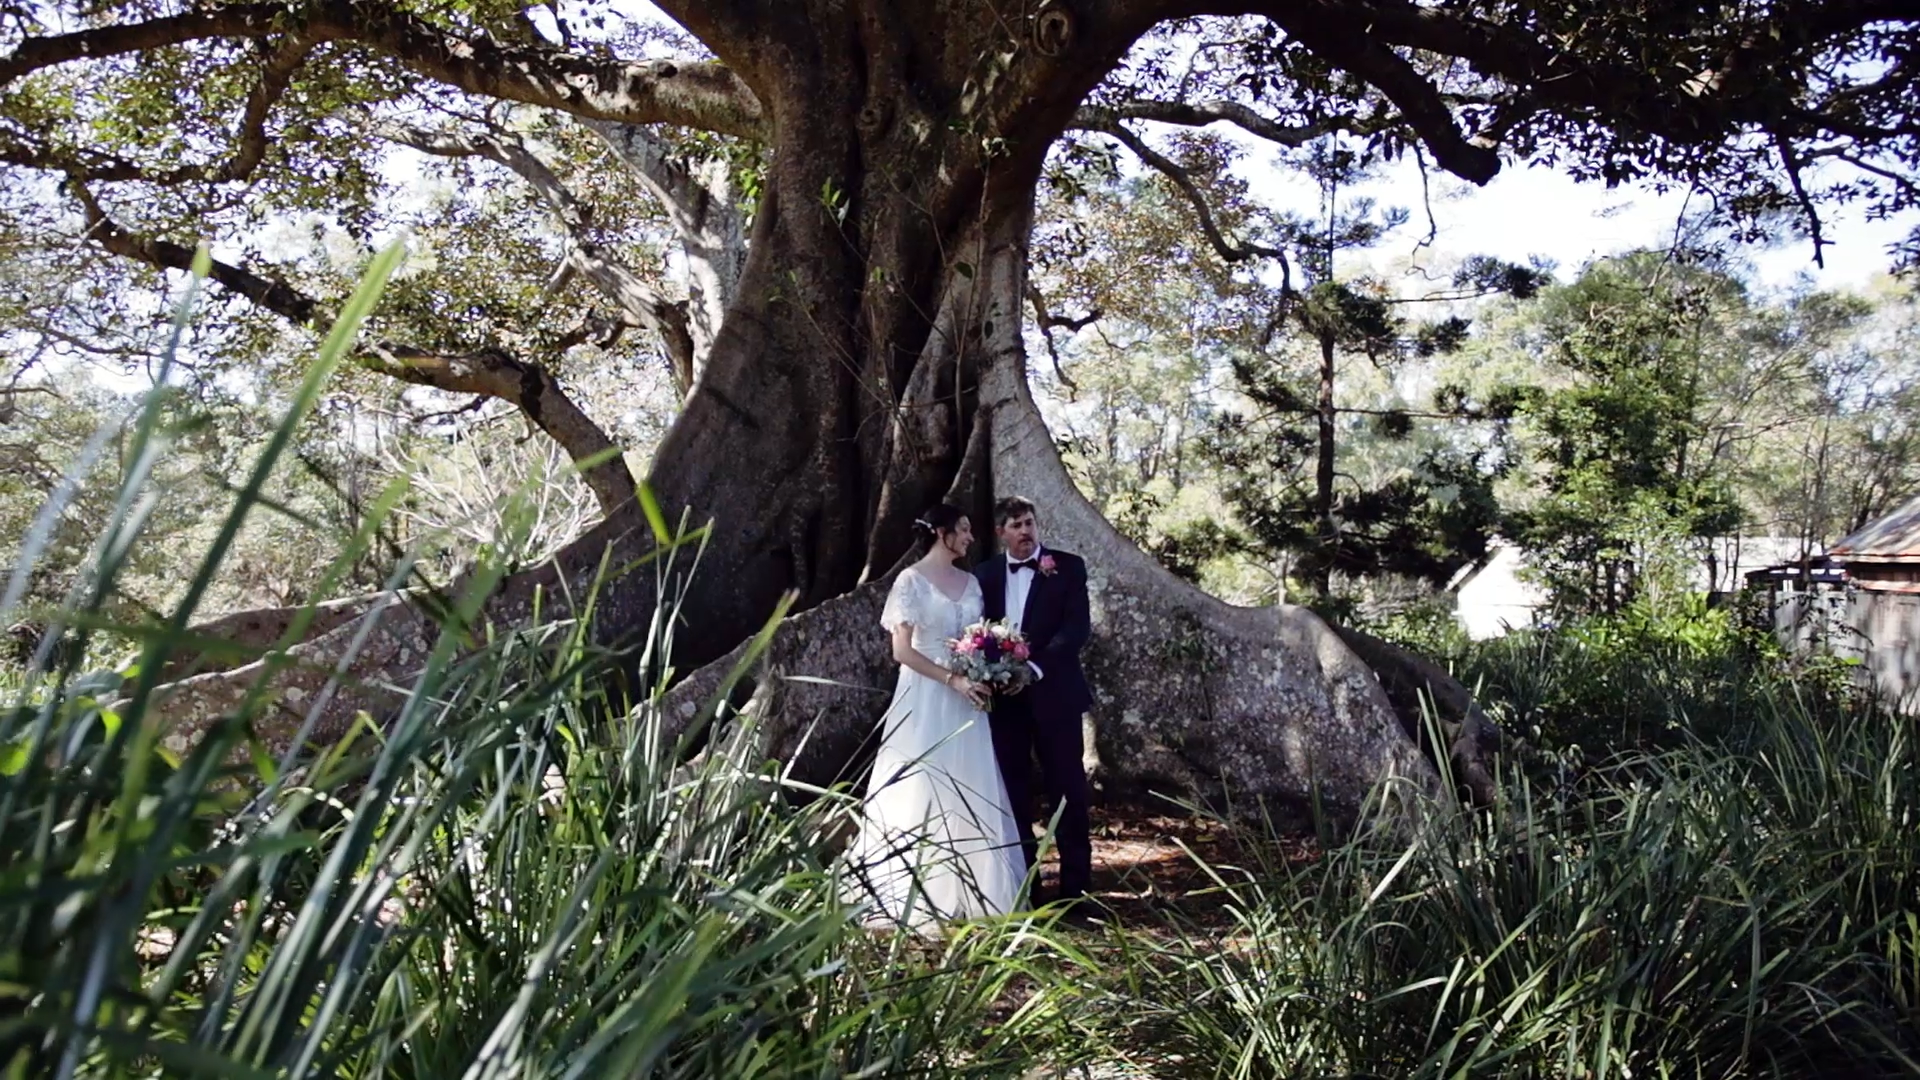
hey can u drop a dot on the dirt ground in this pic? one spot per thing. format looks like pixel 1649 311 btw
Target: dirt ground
pixel 1147 864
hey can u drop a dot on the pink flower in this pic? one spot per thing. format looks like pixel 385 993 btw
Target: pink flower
pixel 1047 565
pixel 1020 651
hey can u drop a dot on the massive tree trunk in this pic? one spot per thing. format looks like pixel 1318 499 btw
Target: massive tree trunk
pixel 1259 707
pixel 870 357
pixel 871 362
pixel 839 394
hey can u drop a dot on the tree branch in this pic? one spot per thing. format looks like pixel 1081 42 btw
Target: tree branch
pixel 1203 113
pixel 1228 250
pixel 250 145
pixel 274 295
pixel 492 373
pixel 275 76
pixel 1341 38
pixel 680 193
pixel 1356 34
pixel 706 216
pixel 1903 182
pixel 637 299
pixel 1791 159
pixel 734 29
pixel 1048 322
pixel 700 95
pixel 532 389
pixel 1507 52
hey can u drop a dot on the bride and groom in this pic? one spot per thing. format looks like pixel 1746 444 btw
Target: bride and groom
pixel 947 827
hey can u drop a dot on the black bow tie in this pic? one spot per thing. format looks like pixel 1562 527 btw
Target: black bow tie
pixel 1029 564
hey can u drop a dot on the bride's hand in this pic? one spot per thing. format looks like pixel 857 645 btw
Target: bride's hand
pixel 976 692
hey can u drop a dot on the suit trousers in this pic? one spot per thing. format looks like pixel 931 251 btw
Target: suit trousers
pixel 1022 731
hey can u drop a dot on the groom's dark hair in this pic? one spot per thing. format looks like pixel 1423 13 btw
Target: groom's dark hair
pixel 1011 507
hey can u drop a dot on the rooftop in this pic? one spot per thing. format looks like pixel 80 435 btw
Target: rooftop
pixel 1894 537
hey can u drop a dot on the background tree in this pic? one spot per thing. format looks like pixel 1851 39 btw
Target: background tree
pixel 1847 453
pixel 1178 326
pixel 1685 408
pixel 1425 521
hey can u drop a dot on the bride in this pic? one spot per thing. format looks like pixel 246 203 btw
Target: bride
pixel 937 841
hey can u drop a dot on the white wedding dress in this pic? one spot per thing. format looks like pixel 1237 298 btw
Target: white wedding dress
pixel 937 841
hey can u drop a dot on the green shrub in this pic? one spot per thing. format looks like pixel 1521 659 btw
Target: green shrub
pixel 516 878
pixel 1696 912
pixel 1645 679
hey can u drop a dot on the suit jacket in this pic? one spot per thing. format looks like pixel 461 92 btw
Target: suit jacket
pixel 1057 624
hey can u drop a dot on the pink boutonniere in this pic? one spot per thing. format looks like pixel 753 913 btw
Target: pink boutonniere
pixel 1047 565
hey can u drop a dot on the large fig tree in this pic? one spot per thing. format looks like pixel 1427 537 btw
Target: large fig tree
pixel 848 326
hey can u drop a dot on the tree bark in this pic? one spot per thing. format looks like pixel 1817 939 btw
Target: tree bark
pixel 708 219
pixel 840 374
pixel 1421 690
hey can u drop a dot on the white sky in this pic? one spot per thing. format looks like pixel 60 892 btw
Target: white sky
pixel 1536 211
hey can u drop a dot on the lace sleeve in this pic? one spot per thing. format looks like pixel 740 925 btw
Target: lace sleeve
pixel 903 607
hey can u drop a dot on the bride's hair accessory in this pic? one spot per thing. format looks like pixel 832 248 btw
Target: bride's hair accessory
pixel 939 518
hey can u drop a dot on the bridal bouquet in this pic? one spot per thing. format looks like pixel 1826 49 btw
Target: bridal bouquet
pixel 993 652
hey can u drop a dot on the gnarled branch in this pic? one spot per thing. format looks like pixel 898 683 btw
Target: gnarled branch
pixel 639 301
pixel 270 293
pixel 1049 322
pixel 1203 113
pixel 532 389
pixel 705 214
pixel 1357 34
pixel 700 95
pixel 1183 179
pixel 1348 41
pixel 491 373
pixel 1791 160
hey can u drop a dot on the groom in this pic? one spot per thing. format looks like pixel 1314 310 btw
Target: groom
pixel 1044 594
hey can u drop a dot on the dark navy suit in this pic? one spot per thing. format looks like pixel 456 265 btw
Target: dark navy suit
pixel 1044 719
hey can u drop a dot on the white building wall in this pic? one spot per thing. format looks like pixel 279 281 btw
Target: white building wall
pixel 1494 600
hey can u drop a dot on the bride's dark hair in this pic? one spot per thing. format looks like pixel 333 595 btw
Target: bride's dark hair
pixel 939 518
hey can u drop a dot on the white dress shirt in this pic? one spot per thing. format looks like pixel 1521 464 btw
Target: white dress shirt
pixel 1019 584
